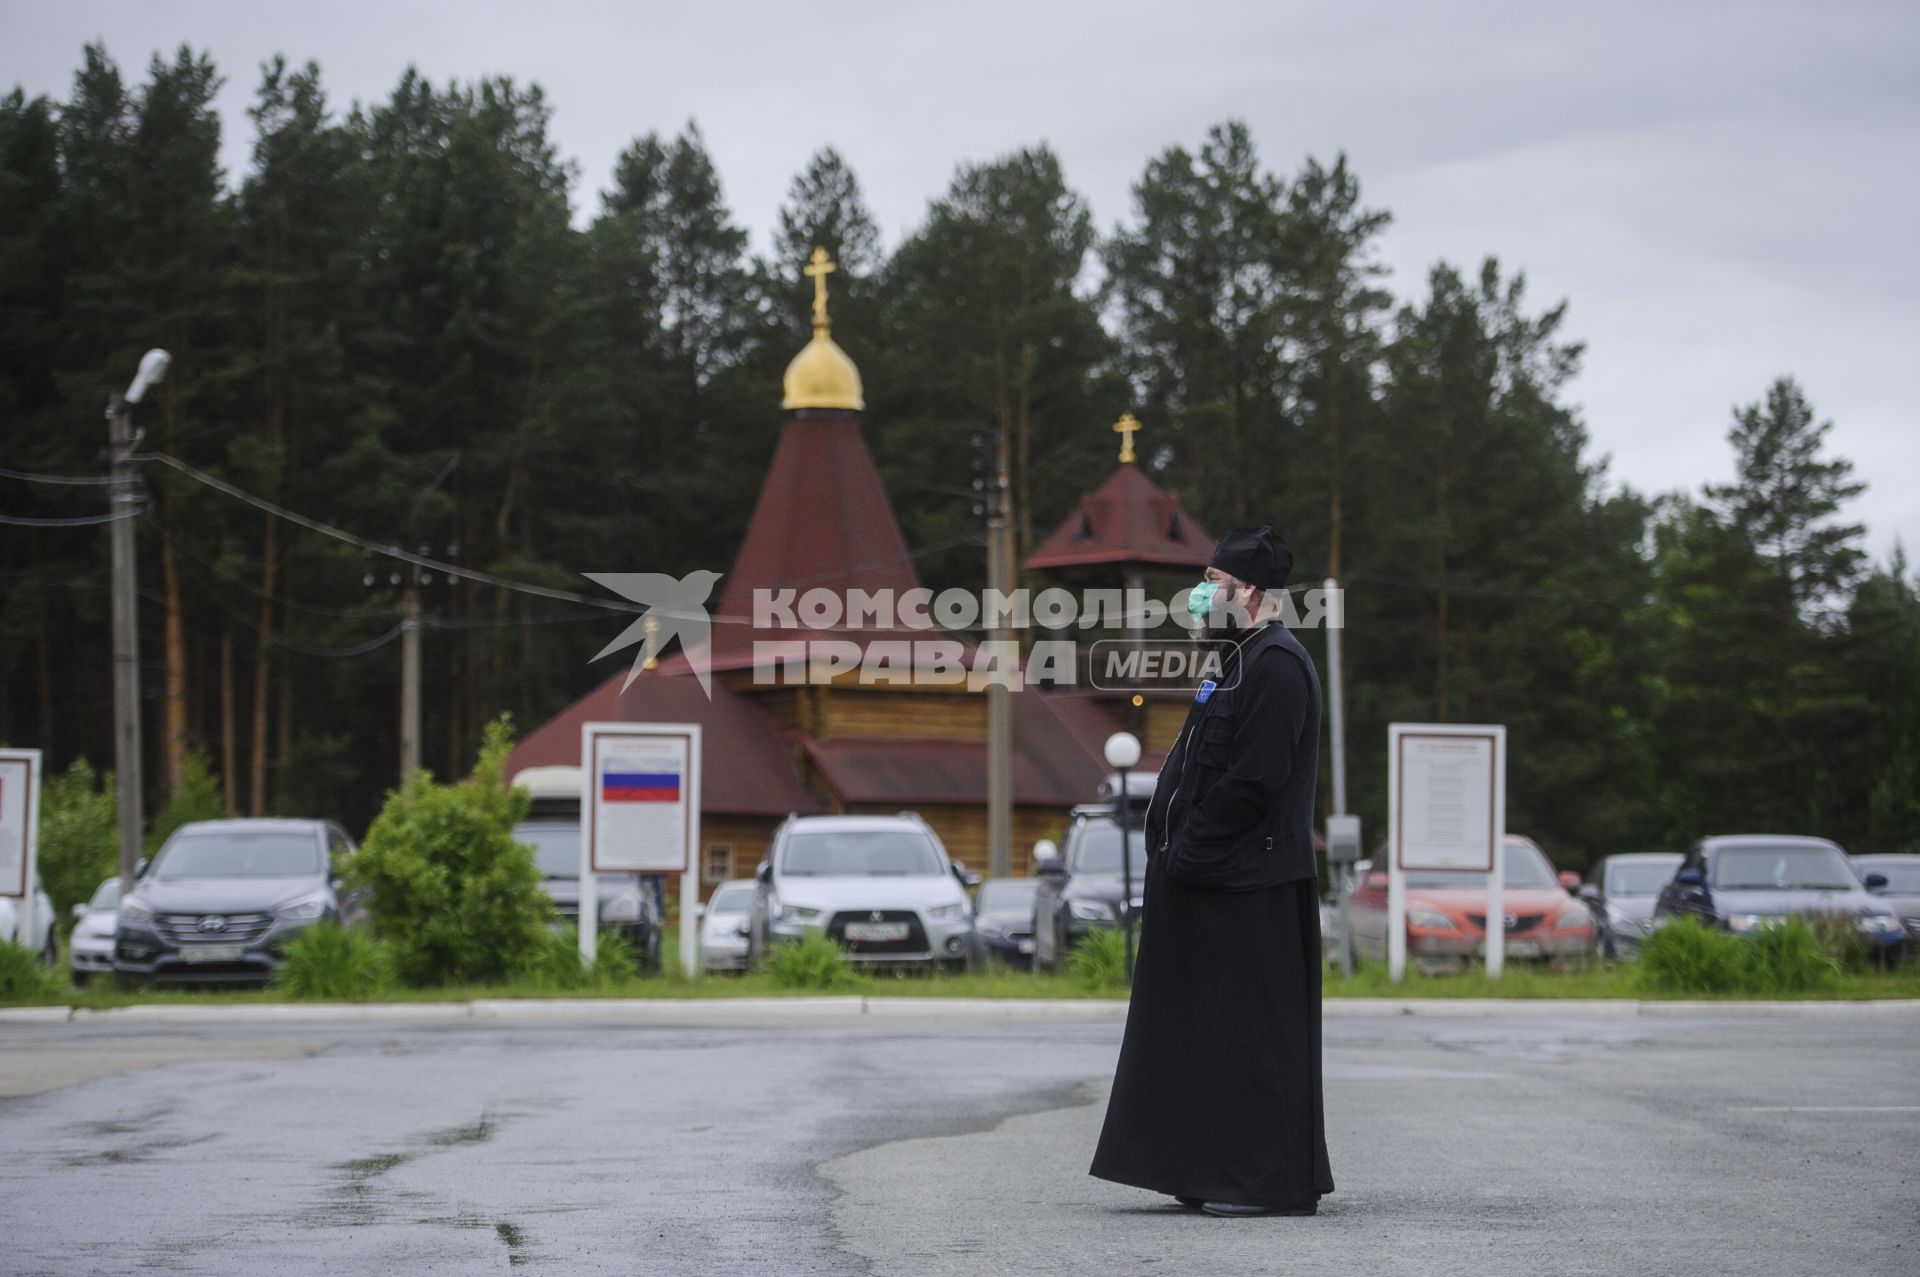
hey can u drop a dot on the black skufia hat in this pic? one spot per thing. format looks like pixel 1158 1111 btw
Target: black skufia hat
pixel 1255 555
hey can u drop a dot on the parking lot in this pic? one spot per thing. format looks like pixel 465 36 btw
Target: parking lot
pixel 1464 1140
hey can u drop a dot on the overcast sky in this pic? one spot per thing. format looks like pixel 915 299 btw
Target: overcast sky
pixel 1724 192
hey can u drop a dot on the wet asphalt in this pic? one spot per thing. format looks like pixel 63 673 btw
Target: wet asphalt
pixel 1483 1143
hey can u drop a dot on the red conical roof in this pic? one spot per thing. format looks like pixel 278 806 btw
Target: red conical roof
pixel 822 521
pixel 1127 519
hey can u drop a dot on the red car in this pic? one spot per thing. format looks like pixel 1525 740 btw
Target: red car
pixel 1446 913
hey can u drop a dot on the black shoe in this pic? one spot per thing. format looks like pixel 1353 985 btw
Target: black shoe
pixel 1234 1210
pixel 1191 1203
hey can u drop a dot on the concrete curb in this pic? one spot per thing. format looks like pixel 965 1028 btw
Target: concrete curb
pixel 739 1012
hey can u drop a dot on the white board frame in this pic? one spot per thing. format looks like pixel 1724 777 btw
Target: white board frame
pixel 21 768
pixel 591 735
pixel 1398 734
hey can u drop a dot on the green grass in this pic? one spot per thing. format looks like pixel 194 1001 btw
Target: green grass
pixel 23 979
pixel 1601 980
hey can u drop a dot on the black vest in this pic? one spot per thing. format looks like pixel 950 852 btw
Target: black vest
pixel 1260 831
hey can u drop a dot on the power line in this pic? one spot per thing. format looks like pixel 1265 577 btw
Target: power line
pixel 30 476
pixel 488 578
pixel 70 521
pixel 365 543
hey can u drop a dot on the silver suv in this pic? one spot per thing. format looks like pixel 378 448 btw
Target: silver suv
pixel 882 887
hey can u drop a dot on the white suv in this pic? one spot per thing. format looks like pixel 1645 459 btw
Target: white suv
pixel 882 887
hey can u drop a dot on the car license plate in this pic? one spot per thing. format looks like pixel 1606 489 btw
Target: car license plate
pixel 1523 948
pixel 211 953
pixel 880 932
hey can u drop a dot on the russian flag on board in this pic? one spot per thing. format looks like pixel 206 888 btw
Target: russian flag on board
pixel 640 787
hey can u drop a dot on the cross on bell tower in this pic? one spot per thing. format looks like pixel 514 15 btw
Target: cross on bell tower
pixel 1125 428
pixel 818 267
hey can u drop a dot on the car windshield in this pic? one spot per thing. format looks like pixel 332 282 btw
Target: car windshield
pixel 107 897
pixel 1006 897
pixel 1783 869
pixel 1903 876
pixel 1097 849
pixel 232 854
pixel 556 847
pixel 1640 878
pixel 735 899
pixel 1525 867
pixel 859 853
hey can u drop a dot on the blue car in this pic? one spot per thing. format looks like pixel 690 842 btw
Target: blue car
pixel 1742 881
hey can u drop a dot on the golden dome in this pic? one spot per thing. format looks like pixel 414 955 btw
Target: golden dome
pixel 821 375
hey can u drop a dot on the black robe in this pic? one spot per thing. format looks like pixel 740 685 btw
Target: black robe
pixel 1218 1094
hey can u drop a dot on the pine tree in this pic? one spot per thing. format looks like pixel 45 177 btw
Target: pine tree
pixel 990 335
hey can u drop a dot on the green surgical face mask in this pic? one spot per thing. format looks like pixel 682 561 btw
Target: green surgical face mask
pixel 1200 601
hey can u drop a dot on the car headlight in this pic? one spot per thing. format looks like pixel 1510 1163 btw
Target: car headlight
pixel 1091 910
pixel 1431 919
pixel 305 909
pixel 1880 924
pixel 798 915
pixel 132 910
pixel 1573 919
pixel 990 930
pixel 1746 921
pixel 946 911
pixel 620 909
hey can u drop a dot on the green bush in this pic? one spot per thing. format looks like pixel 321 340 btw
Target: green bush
pixel 455 899
pixel 1682 956
pixel 334 962
pixel 23 979
pixel 1840 939
pixel 811 962
pixel 556 964
pixel 1100 960
pixel 79 836
pixel 1786 956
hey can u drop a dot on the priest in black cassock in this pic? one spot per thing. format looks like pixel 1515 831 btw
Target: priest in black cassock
pixel 1216 1100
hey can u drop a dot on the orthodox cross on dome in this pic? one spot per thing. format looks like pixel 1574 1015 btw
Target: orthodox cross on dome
pixel 1125 428
pixel 818 268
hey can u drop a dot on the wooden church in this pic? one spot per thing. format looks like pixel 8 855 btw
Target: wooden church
pixel 833 744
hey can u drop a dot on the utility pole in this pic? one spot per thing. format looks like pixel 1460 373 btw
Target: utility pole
pixel 999 708
pixel 126 616
pixel 410 676
pixel 1337 730
pixel 126 640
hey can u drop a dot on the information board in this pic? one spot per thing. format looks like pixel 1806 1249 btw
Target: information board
pixel 638 819
pixel 1444 817
pixel 19 820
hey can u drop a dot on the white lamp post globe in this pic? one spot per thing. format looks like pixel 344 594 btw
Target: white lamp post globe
pixel 1123 750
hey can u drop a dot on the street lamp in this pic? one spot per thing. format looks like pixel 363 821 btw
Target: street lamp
pixel 1123 752
pixel 126 620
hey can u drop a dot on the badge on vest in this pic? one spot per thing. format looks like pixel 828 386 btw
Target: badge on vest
pixel 1206 690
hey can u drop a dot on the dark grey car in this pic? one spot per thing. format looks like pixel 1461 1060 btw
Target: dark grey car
pixel 1003 922
pixel 630 904
pixel 1622 895
pixel 1741 882
pixel 223 896
pixel 1083 890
